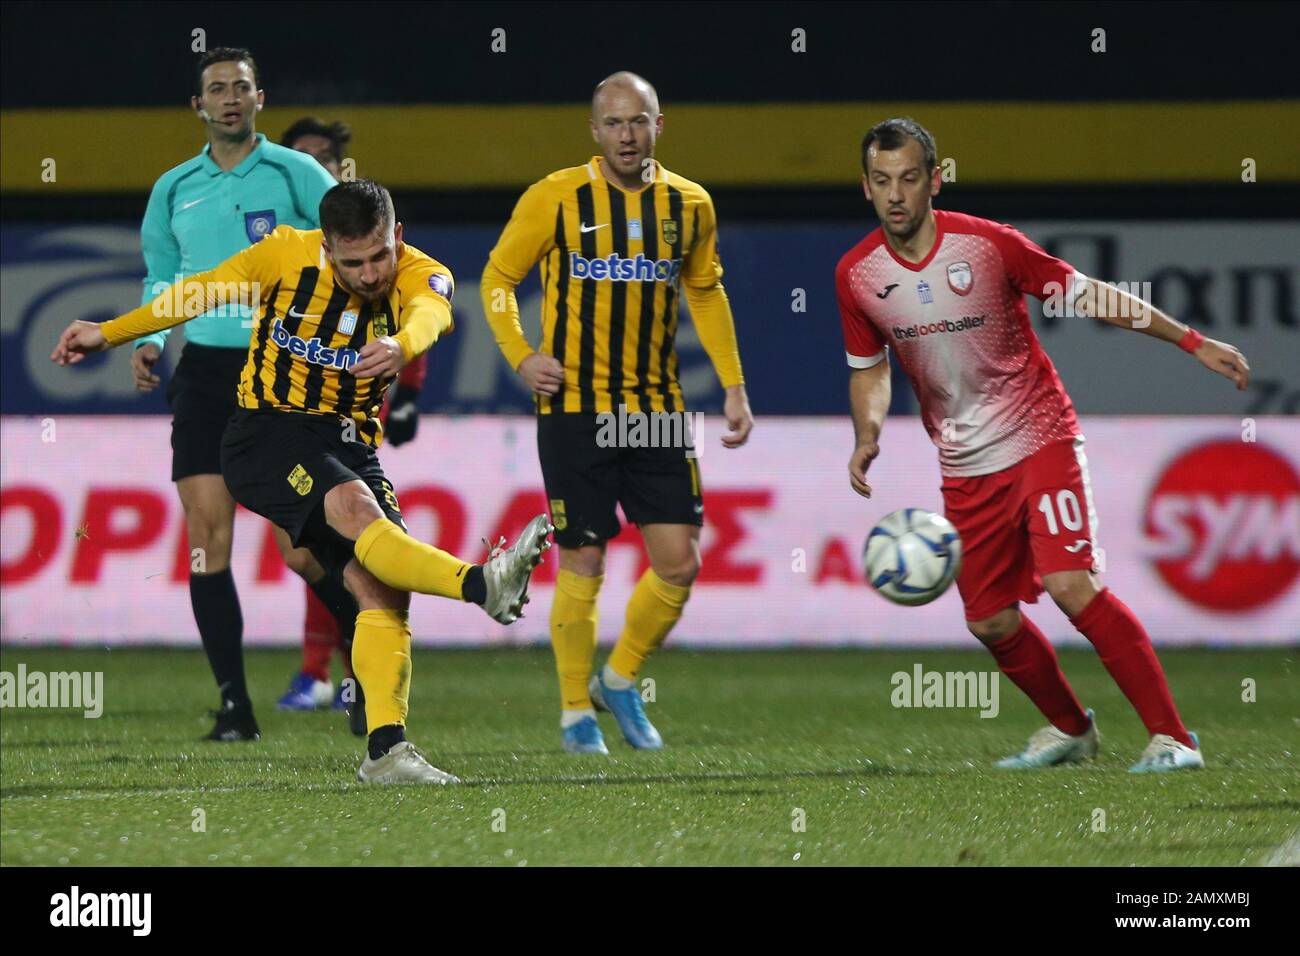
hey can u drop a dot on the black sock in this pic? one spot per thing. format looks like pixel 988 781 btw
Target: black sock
pixel 383 739
pixel 341 604
pixel 221 626
pixel 474 589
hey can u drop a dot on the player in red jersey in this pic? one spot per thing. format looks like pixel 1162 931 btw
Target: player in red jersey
pixel 946 292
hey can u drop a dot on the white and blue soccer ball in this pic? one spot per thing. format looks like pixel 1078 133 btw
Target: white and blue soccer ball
pixel 912 556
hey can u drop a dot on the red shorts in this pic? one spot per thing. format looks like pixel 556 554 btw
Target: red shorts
pixel 1031 519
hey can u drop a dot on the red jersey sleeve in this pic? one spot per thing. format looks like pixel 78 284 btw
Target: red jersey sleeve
pixel 412 374
pixel 1030 269
pixel 863 345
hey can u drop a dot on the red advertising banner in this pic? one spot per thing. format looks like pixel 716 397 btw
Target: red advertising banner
pixel 1199 529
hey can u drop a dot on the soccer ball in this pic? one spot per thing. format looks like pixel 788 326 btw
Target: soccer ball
pixel 912 556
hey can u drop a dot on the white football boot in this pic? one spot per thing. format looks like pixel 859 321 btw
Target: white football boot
pixel 402 764
pixel 507 570
pixel 1165 753
pixel 1050 747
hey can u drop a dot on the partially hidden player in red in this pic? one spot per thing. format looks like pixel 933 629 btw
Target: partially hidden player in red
pixel 946 292
pixel 310 688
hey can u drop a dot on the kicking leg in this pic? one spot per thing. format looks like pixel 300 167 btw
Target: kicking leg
pixel 500 586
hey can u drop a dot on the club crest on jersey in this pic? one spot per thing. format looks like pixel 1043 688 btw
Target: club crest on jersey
pixel 380 324
pixel 668 227
pixel 300 480
pixel 924 294
pixel 259 224
pixel 960 278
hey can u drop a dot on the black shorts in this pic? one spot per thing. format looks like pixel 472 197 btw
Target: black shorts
pixel 584 481
pixel 202 396
pixel 281 464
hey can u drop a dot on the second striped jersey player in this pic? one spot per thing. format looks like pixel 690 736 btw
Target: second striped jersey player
pixel 620 241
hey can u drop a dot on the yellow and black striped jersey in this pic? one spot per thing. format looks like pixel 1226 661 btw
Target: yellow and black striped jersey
pixel 613 266
pixel 308 329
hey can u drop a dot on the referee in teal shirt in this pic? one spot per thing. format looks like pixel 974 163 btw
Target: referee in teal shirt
pixel 200 213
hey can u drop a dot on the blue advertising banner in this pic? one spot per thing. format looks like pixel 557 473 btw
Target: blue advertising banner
pixel 780 280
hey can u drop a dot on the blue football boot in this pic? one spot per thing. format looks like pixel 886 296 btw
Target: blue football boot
pixel 626 707
pixel 585 737
pixel 306 693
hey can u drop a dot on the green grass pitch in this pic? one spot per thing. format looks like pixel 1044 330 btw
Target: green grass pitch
pixel 794 758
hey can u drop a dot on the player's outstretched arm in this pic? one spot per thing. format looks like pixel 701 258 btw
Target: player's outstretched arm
pixel 869 393
pixel 1115 306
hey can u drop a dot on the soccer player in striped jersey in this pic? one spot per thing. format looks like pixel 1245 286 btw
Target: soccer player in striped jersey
pixel 201 212
pixel 619 240
pixel 340 311
pixel 946 292
pixel 310 688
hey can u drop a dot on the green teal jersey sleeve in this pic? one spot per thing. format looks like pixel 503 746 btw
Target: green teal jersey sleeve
pixel 162 253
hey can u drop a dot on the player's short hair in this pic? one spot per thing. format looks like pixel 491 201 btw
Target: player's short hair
pixel 338 133
pixel 355 209
pixel 225 54
pixel 893 133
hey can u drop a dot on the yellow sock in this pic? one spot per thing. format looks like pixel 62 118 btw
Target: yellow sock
pixel 381 659
pixel 651 613
pixel 403 562
pixel 573 635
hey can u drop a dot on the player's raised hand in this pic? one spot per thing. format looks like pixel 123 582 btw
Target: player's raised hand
pixel 381 357
pixel 862 458
pixel 739 418
pixel 143 360
pixel 543 373
pixel 77 340
pixel 1226 360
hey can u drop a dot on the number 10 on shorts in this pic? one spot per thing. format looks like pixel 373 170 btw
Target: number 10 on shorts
pixel 1067 506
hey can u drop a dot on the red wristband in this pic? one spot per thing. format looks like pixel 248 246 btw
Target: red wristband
pixel 1191 341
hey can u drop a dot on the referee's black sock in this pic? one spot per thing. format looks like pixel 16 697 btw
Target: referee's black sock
pixel 221 626
pixel 341 604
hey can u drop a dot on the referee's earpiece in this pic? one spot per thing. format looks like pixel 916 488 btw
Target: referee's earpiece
pixel 204 113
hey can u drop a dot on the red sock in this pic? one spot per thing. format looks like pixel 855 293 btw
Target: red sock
pixel 1125 650
pixel 319 635
pixel 1027 658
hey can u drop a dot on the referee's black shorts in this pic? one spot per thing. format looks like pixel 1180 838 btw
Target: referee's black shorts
pixel 586 477
pixel 202 396
pixel 281 464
